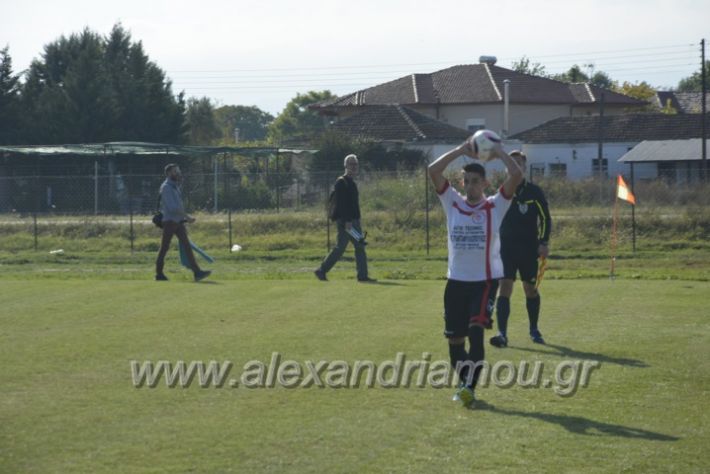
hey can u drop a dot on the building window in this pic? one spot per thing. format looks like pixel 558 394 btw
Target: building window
pixel 537 171
pixel 475 124
pixel 558 170
pixel 604 170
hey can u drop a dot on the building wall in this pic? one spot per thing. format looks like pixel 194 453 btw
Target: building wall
pixel 578 158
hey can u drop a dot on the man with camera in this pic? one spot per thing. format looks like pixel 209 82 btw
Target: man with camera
pixel 173 223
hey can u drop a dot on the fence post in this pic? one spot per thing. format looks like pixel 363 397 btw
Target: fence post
pixel 229 219
pixel 278 184
pixel 426 205
pixel 327 218
pixel 34 220
pixel 633 213
pixel 131 235
pixel 216 179
pixel 96 186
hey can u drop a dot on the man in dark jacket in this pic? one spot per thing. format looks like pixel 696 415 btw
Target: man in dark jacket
pixel 524 237
pixel 347 217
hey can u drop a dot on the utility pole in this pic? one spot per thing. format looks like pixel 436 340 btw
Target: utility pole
pixel 703 113
pixel 600 158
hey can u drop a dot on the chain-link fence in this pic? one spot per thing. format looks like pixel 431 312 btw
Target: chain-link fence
pixel 121 205
pixel 123 194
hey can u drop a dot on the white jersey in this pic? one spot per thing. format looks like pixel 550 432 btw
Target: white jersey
pixel 474 235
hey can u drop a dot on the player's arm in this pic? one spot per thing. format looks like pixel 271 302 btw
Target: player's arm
pixel 515 174
pixel 437 167
pixel 545 226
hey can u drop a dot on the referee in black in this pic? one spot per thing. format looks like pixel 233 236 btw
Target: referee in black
pixel 524 236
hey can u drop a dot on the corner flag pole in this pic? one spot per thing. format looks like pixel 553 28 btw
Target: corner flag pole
pixel 622 192
pixel 615 218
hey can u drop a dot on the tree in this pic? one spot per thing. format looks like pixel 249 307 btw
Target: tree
pixel 201 121
pixel 297 122
pixel 524 66
pixel 86 88
pixel 694 82
pixel 602 79
pixel 574 74
pixel 642 91
pixel 9 101
pixel 65 95
pixel 252 122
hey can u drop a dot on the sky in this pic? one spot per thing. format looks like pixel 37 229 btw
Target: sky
pixel 264 52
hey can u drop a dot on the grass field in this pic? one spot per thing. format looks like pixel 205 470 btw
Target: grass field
pixel 68 403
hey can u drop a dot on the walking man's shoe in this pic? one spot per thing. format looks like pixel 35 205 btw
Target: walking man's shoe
pixel 202 274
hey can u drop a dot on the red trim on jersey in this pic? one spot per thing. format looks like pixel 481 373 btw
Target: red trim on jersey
pixel 446 186
pixel 481 318
pixel 488 242
pixel 481 205
pixel 478 204
pixel 502 193
pixel 465 213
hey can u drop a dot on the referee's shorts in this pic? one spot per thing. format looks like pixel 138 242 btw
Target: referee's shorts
pixel 519 259
pixel 468 304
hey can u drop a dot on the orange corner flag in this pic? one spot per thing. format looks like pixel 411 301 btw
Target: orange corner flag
pixel 623 192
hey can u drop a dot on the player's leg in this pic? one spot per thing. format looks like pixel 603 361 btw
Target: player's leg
pixel 528 275
pixel 456 305
pixel 484 295
pixel 337 252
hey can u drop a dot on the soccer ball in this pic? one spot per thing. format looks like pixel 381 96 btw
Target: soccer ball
pixel 483 142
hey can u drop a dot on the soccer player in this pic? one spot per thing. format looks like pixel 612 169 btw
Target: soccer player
pixel 474 266
pixel 347 217
pixel 524 236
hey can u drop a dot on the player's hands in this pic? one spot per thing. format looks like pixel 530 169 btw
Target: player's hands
pixel 190 219
pixel 543 250
pixel 467 149
pixel 348 226
pixel 497 152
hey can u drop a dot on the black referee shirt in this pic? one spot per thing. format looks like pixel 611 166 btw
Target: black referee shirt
pixel 528 219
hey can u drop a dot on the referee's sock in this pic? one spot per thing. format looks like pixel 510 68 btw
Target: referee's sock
pixel 533 305
pixel 503 312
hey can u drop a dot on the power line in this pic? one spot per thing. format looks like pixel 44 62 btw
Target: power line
pixel 399 65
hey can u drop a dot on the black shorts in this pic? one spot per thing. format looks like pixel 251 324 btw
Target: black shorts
pixel 519 258
pixel 468 304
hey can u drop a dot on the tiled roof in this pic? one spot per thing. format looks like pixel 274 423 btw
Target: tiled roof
pixel 397 123
pixel 683 102
pixel 476 84
pixel 691 102
pixel 662 98
pixel 616 128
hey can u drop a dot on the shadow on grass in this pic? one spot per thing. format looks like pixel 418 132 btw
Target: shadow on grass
pixel 384 283
pixel 575 354
pixel 579 424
